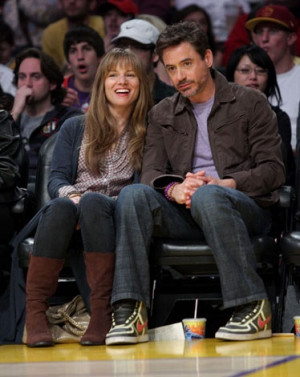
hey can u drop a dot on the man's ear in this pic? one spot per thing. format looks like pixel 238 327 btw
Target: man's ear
pixel 53 86
pixel 209 58
pixel 292 37
pixel 155 58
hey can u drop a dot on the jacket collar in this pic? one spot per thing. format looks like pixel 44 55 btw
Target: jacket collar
pixel 223 93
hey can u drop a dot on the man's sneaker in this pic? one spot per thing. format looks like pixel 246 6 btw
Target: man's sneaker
pixel 129 324
pixel 248 322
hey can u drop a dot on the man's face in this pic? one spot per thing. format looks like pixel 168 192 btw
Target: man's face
pixel 31 76
pixel 187 70
pixel 75 9
pixel 83 61
pixel 275 40
pixel 113 20
pixel 144 53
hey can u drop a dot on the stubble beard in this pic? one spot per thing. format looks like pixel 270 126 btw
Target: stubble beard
pixel 191 92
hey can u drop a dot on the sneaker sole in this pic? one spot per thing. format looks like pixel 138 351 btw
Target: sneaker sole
pixel 232 336
pixel 126 340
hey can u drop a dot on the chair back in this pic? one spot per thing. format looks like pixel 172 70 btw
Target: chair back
pixel 43 171
pixel 295 207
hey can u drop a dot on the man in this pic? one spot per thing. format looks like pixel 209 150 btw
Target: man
pixel 140 36
pixel 77 12
pixel 83 48
pixel 37 105
pixel 274 28
pixel 114 13
pixel 211 163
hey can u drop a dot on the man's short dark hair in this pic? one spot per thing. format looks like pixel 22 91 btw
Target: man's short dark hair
pixel 49 68
pixel 187 31
pixel 83 33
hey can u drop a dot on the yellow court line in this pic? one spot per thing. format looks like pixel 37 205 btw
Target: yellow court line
pixel 276 346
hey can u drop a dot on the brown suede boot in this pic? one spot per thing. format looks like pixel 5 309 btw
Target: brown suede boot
pixel 41 283
pixel 100 273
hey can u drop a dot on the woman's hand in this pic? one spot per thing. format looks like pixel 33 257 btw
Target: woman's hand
pixel 75 199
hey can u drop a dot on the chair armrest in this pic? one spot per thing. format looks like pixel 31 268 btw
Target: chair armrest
pixel 287 207
pixel 19 205
pixel 287 196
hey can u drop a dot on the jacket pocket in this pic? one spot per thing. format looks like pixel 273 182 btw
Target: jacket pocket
pixel 231 143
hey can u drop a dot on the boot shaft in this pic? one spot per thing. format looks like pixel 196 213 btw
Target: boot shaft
pixel 42 277
pixel 41 283
pixel 100 272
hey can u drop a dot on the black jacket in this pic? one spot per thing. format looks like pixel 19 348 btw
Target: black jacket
pixel 50 124
pixel 13 160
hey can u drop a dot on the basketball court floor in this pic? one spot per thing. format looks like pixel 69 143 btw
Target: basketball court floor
pixel 278 356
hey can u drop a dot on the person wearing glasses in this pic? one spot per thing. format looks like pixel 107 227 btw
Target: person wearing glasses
pixel 274 28
pixel 251 66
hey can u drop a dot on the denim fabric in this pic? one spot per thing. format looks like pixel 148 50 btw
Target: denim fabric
pixel 58 221
pixel 224 217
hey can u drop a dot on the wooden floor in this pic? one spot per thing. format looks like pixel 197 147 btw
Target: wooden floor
pixel 278 356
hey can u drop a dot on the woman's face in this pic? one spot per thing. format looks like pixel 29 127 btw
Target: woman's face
pixel 199 17
pixel 122 86
pixel 249 74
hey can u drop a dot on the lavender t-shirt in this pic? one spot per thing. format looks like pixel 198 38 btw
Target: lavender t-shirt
pixel 202 153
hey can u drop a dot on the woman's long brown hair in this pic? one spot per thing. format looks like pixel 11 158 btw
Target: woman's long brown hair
pixel 101 131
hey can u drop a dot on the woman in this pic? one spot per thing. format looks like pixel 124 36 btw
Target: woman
pixel 95 156
pixel 251 66
pixel 198 14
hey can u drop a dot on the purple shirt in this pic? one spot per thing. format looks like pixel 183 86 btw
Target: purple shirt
pixel 83 97
pixel 203 159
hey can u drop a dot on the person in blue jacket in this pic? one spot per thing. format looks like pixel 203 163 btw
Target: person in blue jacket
pixel 95 156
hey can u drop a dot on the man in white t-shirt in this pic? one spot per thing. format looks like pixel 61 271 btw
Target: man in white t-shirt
pixel 274 29
pixel 6 80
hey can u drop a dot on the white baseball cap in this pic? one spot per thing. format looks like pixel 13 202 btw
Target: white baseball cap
pixel 139 30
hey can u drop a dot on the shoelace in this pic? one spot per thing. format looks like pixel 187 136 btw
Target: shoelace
pixel 123 312
pixel 243 311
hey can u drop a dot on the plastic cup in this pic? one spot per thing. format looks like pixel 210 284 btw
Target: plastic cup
pixel 194 328
pixel 297 325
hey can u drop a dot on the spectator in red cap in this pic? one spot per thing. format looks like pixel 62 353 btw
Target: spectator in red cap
pixel 274 28
pixel 240 36
pixel 114 13
pixel 278 14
